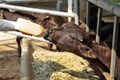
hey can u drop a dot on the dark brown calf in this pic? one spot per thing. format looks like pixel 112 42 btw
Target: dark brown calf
pixel 103 53
pixel 70 37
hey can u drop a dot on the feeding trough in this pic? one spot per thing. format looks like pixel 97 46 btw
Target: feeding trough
pixel 43 64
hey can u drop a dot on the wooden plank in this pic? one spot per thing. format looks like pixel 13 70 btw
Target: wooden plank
pixel 105 5
pixel 93 1
pixel 115 9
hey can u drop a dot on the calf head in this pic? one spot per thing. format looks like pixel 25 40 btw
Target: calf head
pixel 70 38
pixel 50 21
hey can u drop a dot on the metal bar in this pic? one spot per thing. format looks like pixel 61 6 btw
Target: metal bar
pixel 114 46
pixel 76 8
pixel 88 16
pixel 59 5
pixel 69 9
pixel 36 10
pixel 28 36
pixel 98 25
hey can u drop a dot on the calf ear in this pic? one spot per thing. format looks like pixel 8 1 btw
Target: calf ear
pixel 44 17
pixel 58 29
pixel 80 39
pixel 86 51
pixel 91 34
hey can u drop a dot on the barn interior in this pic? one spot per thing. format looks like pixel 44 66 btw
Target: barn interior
pixel 81 40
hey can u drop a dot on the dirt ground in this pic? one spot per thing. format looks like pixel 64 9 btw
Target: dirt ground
pixel 9 60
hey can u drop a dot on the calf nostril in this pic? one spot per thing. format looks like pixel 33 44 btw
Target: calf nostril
pixel 85 48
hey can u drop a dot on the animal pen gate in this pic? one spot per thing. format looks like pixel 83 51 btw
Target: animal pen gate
pixel 111 8
pixel 26 73
pixel 70 14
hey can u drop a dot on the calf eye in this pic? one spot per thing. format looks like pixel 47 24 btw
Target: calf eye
pixel 81 40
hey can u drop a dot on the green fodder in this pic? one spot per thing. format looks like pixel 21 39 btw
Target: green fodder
pixel 50 65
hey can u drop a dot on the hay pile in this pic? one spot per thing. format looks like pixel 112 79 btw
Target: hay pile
pixel 50 65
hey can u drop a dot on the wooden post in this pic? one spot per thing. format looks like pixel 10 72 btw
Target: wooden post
pixel 59 5
pixel 70 9
pixel 26 66
pixel 76 11
pixel 98 25
pixel 88 16
pixel 114 47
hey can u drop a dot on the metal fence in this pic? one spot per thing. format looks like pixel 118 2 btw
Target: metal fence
pixel 70 14
pixel 111 8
